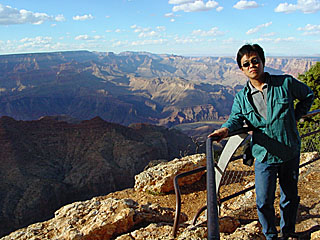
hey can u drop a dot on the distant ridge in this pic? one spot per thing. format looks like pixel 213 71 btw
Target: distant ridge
pixel 125 88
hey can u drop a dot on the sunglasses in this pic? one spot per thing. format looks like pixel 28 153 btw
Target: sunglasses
pixel 253 61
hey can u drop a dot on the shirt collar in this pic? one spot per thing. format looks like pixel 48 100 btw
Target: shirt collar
pixel 253 89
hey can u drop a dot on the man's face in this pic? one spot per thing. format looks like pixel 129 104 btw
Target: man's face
pixel 252 66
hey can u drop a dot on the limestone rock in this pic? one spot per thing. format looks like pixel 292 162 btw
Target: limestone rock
pixel 315 235
pixel 186 231
pixel 159 179
pixel 154 231
pixel 251 231
pixel 228 224
pixel 305 158
pixel 95 219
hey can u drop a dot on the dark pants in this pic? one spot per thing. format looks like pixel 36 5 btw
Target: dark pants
pixel 265 181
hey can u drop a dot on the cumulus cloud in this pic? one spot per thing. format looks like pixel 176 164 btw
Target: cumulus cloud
pixel 193 6
pixel 40 43
pixel 83 17
pixel 241 5
pixel 212 32
pixel 310 29
pixel 10 16
pixel 305 6
pixel 258 28
pixel 148 32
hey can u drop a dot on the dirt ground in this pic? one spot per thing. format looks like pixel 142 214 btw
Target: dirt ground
pixel 194 197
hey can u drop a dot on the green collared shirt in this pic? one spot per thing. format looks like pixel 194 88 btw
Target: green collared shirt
pixel 275 138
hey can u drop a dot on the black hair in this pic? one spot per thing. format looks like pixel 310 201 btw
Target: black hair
pixel 247 49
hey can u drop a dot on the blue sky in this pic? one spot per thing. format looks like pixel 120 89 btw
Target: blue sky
pixel 182 27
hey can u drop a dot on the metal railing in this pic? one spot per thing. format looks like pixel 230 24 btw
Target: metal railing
pixel 215 171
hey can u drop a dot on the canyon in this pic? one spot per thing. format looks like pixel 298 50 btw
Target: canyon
pixel 48 163
pixel 79 125
pixel 125 88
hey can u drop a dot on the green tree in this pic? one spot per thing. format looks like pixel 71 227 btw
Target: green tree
pixel 311 124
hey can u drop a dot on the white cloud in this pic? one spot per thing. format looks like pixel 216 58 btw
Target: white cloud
pixel 258 28
pixel 36 40
pixel 161 28
pixel 138 29
pixel 149 42
pixel 87 37
pixel 269 34
pixel 286 8
pixel 40 43
pixel 310 29
pixel 219 9
pixel 241 5
pixel 170 15
pixel 305 6
pixel 148 32
pixel 82 37
pixel 195 6
pixel 60 18
pixel 10 16
pixel 276 40
pixel 212 32
pixel 83 18
pixel 120 43
pixel 188 40
pixel 126 43
pixel 288 39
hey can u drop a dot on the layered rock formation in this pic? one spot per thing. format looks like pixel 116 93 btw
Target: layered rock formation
pixel 159 179
pixel 48 163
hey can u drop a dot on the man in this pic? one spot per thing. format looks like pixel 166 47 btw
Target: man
pixel 267 104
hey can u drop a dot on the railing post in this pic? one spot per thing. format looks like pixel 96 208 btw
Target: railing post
pixel 212 205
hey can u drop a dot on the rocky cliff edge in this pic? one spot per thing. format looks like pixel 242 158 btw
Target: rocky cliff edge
pixel 111 217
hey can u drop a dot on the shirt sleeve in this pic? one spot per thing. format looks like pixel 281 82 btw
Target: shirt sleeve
pixel 236 118
pixel 304 94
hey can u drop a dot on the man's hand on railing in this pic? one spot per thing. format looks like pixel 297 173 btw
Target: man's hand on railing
pixel 219 134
